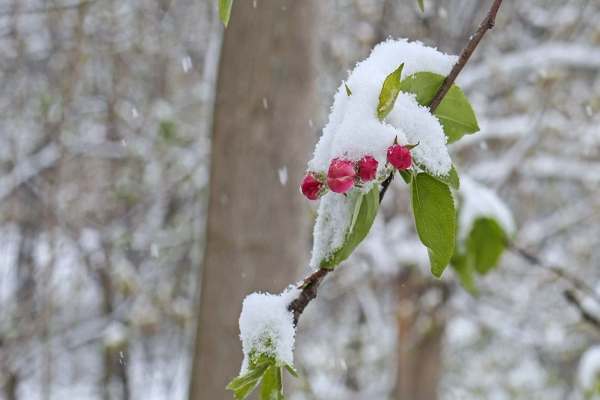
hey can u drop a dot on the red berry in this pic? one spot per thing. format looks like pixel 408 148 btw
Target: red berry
pixel 311 187
pixel 340 177
pixel 367 168
pixel 399 156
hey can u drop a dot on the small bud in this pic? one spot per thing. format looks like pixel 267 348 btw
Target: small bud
pixel 311 187
pixel 340 176
pixel 367 168
pixel 399 156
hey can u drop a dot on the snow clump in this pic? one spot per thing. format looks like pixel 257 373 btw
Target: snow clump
pixel 267 327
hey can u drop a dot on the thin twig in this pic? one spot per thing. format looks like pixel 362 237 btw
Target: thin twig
pixel 486 25
pixel 384 186
pixel 309 287
pixel 557 271
pixel 310 284
pixel 570 294
pixel 571 298
pixel 465 55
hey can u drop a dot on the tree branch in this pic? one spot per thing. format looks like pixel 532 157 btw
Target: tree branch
pixel 570 294
pixel 486 25
pixel 310 284
pixel 309 287
pixel 557 271
pixel 571 298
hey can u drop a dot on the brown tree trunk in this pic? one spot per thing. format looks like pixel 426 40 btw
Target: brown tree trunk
pixel 258 225
pixel 420 335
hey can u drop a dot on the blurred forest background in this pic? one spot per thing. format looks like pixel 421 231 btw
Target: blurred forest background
pixel 124 256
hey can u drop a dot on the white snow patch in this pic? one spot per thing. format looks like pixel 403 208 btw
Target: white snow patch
pixel 589 368
pixel 334 215
pixel 528 374
pixel 282 173
pixel 477 202
pixel 115 334
pixel 267 327
pixel 422 128
pixel 353 129
pixel 462 332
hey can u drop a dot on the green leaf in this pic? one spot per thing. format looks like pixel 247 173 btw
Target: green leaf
pixel 271 388
pixel 348 91
pixel 465 272
pixel 292 370
pixel 421 5
pixel 225 10
pixel 389 93
pixel 365 210
pixel 485 244
pixel 451 179
pixel 167 130
pixel 435 219
pixel 454 112
pixel 243 385
pixel 406 176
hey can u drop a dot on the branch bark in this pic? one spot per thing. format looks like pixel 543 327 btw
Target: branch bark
pixel 310 285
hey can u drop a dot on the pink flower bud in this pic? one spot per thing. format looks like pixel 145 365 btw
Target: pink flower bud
pixel 367 168
pixel 399 156
pixel 340 176
pixel 311 187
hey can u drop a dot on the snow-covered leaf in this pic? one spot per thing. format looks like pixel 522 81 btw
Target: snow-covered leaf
pixel 435 219
pixel 451 179
pixel 389 92
pixel 454 112
pixel 267 328
pixel 365 210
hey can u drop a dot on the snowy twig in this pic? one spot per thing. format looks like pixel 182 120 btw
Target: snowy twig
pixel 559 272
pixel 310 284
pixel 465 55
pixel 486 24
pixel 572 298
